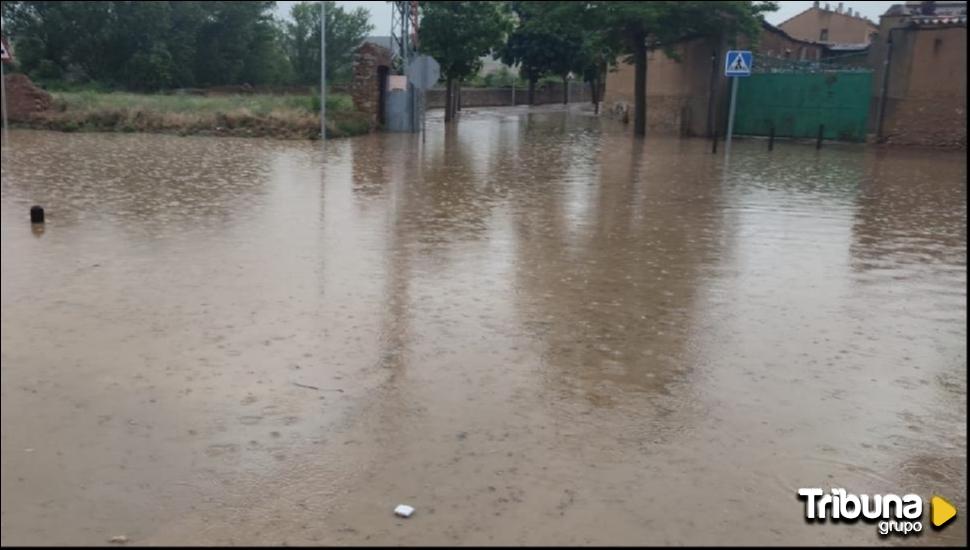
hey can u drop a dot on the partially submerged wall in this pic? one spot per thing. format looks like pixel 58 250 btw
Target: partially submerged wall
pixel 579 92
pixel 689 95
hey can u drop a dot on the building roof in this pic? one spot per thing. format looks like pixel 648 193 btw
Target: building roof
pixel 829 11
pixel 780 31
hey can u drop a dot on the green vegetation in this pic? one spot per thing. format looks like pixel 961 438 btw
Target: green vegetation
pixel 345 31
pixel 92 55
pixel 556 39
pixel 165 45
pixel 150 46
pixel 458 34
pixel 546 41
pixel 235 115
pixel 634 28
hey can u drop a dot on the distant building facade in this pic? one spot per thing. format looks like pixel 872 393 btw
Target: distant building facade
pixel 919 60
pixel 825 25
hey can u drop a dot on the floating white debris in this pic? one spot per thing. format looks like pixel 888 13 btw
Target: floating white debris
pixel 403 510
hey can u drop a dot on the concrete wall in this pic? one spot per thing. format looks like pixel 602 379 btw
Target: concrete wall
pixel 579 92
pixel 842 28
pixel 926 98
pixel 677 92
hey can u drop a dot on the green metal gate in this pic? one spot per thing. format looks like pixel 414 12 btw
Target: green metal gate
pixel 796 104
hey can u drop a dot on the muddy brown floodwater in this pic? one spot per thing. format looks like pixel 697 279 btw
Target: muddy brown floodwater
pixel 529 327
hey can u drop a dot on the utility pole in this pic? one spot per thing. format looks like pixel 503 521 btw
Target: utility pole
pixel 3 92
pixel 7 57
pixel 734 101
pixel 323 71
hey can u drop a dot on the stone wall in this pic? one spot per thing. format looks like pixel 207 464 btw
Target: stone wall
pixel 365 86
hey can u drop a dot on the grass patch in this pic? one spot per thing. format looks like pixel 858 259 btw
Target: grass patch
pixel 285 116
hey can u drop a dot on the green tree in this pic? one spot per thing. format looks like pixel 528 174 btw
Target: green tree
pixel 635 28
pixel 345 31
pixel 526 45
pixel 592 62
pixel 59 36
pixel 458 34
pixel 148 45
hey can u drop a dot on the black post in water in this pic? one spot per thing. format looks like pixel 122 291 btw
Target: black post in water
pixel 771 138
pixel 818 142
pixel 36 214
pixel 714 143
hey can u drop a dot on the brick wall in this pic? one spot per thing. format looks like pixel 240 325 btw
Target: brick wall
pixel 681 94
pixel 926 98
pixel 365 86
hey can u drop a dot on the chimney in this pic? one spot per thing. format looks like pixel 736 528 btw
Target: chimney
pixel 815 4
pixel 828 7
pixel 839 9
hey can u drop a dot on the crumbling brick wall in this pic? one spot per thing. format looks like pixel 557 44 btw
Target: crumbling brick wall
pixel 364 89
pixel 24 98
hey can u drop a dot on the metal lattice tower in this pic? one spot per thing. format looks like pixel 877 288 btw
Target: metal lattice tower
pixel 404 30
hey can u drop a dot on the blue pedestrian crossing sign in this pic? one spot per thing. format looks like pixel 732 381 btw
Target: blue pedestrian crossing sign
pixel 738 63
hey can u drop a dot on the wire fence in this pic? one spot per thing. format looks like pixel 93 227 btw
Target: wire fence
pixel 849 62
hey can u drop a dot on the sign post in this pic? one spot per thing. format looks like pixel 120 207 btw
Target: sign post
pixel 423 72
pixel 323 72
pixel 737 63
pixel 5 57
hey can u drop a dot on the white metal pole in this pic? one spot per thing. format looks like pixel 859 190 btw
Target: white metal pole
pixel 3 92
pixel 730 128
pixel 323 71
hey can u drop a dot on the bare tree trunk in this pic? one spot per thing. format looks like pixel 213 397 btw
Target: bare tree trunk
pixel 458 98
pixel 640 86
pixel 532 90
pixel 565 90
pixel 449 91
pixel 454 98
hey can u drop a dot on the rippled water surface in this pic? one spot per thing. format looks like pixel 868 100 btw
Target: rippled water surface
pixel 528 326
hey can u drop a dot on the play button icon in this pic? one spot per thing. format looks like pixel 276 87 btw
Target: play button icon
pixel 942 511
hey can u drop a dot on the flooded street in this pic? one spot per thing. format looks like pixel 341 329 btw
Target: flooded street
pixel 529 326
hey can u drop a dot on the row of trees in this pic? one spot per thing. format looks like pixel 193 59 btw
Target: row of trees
pixel 581 38
pixel 155 45
pixel 151 45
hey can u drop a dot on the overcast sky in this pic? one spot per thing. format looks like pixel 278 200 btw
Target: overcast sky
pixel 380 12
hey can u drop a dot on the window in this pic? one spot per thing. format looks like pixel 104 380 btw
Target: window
pixel 823 35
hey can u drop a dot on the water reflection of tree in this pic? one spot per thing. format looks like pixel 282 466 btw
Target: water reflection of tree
pixel 609 286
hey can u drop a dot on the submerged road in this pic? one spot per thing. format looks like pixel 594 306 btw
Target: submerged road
pixel 528 326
